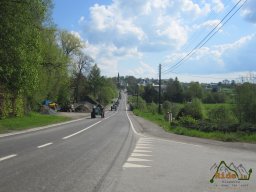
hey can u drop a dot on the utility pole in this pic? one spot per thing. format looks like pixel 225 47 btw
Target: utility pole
pixel 138 96
pixel 159 90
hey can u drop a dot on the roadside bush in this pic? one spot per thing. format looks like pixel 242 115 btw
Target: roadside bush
pixel 193 109
pixel 222 115
pixel 214 97
pixel 247 127
pixel 246 103
pixel 141 103
pixel 152 108
pixel 171 107
pixel 166 106
pixel 189 122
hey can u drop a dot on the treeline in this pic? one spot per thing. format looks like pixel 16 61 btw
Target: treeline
pixel 39 61
pixel 199 106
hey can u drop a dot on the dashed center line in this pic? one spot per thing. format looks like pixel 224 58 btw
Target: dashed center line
pixel 8 157
pixel 67 137
pixel 44 145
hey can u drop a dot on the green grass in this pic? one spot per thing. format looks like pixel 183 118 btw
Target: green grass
pixel 30 121
pixel 216 135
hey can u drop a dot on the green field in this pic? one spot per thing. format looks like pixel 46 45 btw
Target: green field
pixel 216 135
pixel 30 121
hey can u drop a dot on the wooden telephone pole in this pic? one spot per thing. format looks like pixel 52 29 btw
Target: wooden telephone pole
pixel 159 90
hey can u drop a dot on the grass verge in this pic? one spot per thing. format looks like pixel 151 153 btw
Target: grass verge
pixel 30 121
pixel 216 135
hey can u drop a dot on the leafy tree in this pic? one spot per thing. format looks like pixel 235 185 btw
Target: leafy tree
pixel 174 91
pixel 150 94
pixel 108 91
pixel 53 75
pixel 195 91
pixel 95 80
pixel 82 66
pixel 20 30
pixel 246 103
pixel 132 84
pixel 70 43
pixel 193 109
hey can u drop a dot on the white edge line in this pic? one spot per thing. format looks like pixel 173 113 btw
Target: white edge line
pixel 8 157
pixel 44 145
pixel 132 124
pixel 67 137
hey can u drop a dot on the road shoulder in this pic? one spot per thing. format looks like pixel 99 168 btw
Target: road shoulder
pixel 148 128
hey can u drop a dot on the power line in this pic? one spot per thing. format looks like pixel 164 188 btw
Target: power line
pixel 208 36
pixel 175 67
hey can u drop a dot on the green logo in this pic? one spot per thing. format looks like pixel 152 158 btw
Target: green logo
pixel 231 172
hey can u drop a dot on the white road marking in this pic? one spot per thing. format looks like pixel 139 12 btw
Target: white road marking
pixel 140 147
pixel 144 145
pixel 141 151
pixel 8 157
pixel 67 137
pixel 140 155
pixel 44 145
pixel 137 159
pixel 132 165
pixel 144 141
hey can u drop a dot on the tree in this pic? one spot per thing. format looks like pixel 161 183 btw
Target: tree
pixel 70 43
pixel 95 80
pixel 174 91
pixel 150 94
pixel 132 84
pixel 20 30
pixel 246 103
pixel 195 91
pixel 108 91
pixel 81 68
pixel 53 76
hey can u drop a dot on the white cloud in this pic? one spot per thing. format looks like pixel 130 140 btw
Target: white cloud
pixel 249 11
pixel 208 55
pixel 194 8
pixel 143 70
pixel 208 24
pixel 172 29
pixel 221 49
pixel 131 30
pixel 218 6
pixel 81 20
pixel 214 77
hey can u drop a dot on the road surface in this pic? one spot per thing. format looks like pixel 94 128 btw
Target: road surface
pixel 115 154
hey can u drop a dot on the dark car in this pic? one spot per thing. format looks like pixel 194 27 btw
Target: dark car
pixel 98 110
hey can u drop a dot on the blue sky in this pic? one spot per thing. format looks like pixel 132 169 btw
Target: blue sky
pixel 133 37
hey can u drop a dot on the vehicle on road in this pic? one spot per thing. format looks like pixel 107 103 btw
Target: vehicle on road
pixel 98 110
pixel 115 105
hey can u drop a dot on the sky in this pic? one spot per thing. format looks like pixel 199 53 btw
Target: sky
pixel 132 37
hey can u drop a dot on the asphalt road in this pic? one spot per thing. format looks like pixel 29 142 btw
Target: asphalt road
pixel 114 154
